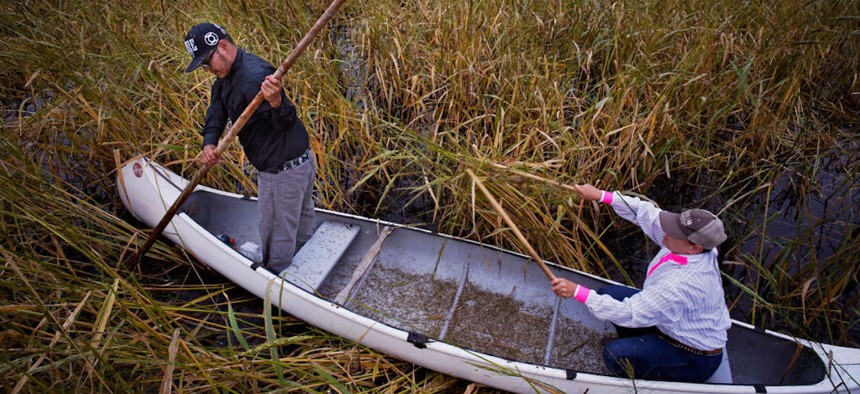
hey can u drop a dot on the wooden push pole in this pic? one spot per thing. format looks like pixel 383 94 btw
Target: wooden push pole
pixel 235 129
pixel 510 223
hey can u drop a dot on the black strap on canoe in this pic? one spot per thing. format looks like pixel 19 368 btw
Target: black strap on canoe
pixel 255 266
pixel 419 340
pixel 760 388
pixel 571 374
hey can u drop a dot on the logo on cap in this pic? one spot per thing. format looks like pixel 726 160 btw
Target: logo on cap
pixel 211 39
pixel 189 45
pixel 686 219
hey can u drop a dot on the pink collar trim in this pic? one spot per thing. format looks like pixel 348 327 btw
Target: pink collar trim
pixel 682 260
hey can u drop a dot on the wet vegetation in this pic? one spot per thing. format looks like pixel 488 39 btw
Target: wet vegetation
pixel 750 110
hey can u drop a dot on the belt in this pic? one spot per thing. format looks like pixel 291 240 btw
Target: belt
pixel 691 349
pixel 295 162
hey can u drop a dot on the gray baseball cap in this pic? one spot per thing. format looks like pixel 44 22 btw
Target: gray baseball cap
pixel 696 225
pixel 201 40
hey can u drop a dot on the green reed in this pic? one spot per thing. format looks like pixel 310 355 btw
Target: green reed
pixel 400 98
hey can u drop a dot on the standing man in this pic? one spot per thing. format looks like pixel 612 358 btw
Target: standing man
pixel 274 139
pixel 675 328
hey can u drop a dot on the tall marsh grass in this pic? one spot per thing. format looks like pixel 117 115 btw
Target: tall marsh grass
pixel 750 109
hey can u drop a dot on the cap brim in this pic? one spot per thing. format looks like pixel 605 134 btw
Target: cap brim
pixel 195 63
pixel 670 222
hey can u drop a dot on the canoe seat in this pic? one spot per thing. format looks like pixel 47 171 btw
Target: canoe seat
pixel 723 374
pixel 319 255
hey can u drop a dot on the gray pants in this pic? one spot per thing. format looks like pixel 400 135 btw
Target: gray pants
pixel 286 213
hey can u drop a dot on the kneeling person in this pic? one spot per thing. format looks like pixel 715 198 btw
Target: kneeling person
pixel 676 327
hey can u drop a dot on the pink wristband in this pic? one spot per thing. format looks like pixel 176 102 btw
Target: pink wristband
pixel 581 293
pixel 606 197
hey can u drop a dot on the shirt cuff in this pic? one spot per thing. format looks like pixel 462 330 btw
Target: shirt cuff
pixel 581 293
pixel 209 140
pixel 606 197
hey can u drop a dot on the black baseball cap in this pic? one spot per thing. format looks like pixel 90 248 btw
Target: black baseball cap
pixel 201 40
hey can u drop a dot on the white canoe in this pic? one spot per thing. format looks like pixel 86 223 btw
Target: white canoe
pixel 455 306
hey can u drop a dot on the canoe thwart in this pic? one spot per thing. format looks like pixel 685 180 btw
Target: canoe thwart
pixel 363 265
pixel 312 264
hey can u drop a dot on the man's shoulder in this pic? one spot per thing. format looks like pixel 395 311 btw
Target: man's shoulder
pixel 255 64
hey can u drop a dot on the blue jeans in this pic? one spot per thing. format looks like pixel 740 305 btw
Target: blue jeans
pixel 644 353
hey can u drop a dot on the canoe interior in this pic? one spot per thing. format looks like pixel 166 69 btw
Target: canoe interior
pixel 486 300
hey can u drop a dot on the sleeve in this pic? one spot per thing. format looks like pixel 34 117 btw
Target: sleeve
pixel 647 308
pixel 284 117
pixel 216 117
pixel 642 213
pixel 281 119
